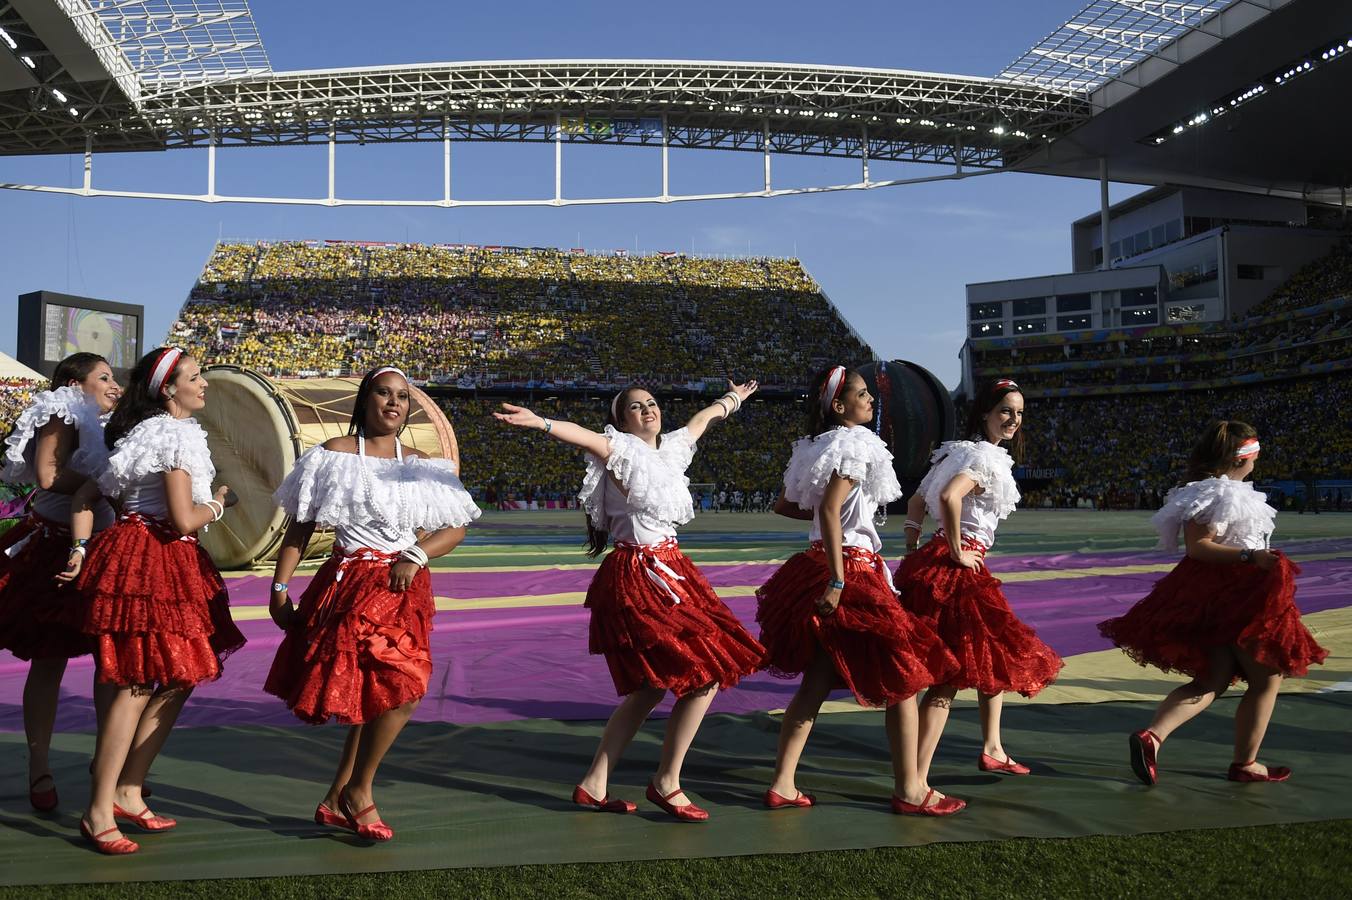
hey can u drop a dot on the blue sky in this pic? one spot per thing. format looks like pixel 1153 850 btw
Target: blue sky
pixel 894 260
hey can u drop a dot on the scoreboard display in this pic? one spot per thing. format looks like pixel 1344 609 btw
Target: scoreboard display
pixel 52 326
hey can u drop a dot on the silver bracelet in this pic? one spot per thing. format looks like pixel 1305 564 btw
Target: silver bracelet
pixel 736 401
pixel 910 523
pixel 549 426
pixel 217 509
pixel 726 412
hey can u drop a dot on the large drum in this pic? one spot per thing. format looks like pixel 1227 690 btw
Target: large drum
pixel 914 413
pixel 256 428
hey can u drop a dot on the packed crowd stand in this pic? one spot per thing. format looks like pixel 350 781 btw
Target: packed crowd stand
pixel 495 315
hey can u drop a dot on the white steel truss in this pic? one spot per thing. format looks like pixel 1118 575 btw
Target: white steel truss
pixel 179 40
pixel 1105 38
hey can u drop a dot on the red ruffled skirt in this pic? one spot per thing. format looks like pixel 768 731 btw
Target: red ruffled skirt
pixel 658 622
pixel 882 653
pixel 996 652
pixel 356 648
pixel 39 617
pixel 1200 606
pixel 155 606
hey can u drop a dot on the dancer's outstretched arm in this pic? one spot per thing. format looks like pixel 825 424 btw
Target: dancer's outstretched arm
pixel 721 408
pixel 574 435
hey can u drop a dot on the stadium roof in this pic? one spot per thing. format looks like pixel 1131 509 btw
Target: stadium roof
pixel 1131 82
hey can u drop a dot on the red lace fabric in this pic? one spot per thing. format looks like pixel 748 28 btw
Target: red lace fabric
pixel 996 652
pixel 357 649
pixel 1200 606
pixel 156 606
pixel 882 653
pixel 39 617
pixel 659 623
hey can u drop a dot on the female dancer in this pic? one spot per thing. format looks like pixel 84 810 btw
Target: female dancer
pixel 358 648
pixel 655 618
pixel 57 442
pixel 969 490
pixel 156 608
pixel 829 612
pixel 1226 611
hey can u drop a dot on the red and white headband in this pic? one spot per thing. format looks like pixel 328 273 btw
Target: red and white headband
pixel 831 389
pixel 168 358
pixel 1247 449
pixel 1006 383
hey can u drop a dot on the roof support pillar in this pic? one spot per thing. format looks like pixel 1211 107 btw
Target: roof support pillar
pixel 333 149
pixel 1103 211
pixel 446 160
pixel 765 146
pixel 89 162
pixel 558 157
pixel 211 164
pixel 666 167
pixel 863 151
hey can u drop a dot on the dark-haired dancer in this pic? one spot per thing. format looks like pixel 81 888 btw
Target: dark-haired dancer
pixel 358 647
pixel 969 489
pixel 654 616
pixel 830 614
pixel 57 443
pixel 156 607
pixel 1226 611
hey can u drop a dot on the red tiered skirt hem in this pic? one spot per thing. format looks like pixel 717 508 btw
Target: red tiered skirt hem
pixel 1201 606
pixel 995 650
pixel 155 606
pixel 659 624
pixel 882 653
pixel 357 649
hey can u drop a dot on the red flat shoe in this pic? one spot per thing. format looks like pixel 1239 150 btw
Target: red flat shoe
pixel 375 831
pixel 326 816
pixel 42 801
pixel 145 819
pixel 1239 773
pixel 1144 745
pixel 945 807
pixel 777 801
pixel 988 763
pixel 688 813
pixel 119 847
pixel 582 798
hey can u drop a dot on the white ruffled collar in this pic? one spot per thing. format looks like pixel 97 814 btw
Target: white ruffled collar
pixel 853 452
pixel 987 464
pixel 1236 510
pixel 69 404
pixel 657 492
pixel 396 497
pixel 156 445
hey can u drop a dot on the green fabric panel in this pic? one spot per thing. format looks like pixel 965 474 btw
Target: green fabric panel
pixel 498 794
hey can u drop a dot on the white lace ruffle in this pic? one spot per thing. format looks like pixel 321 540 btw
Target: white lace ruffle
pixel 330 488
pixel 657 491
pixel 65 403
pixel 989 465
pixel 160 444
pixel 1237 511
pixel 856 453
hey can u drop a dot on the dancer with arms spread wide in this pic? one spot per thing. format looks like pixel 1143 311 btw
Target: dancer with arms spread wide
pixel 654 616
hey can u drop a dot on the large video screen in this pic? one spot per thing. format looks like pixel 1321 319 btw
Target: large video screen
pixel 68 330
